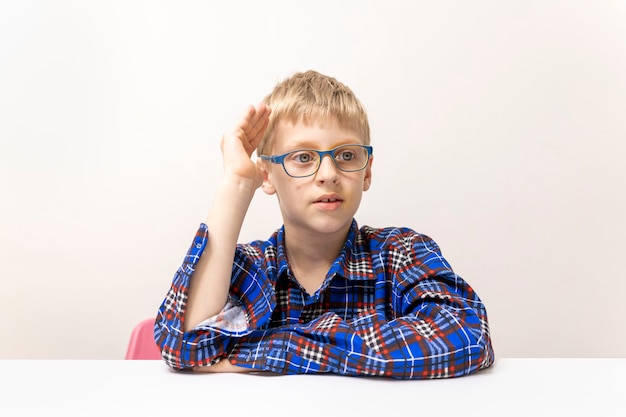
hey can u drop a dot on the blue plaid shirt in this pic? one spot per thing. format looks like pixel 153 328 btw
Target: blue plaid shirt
pixel 389 306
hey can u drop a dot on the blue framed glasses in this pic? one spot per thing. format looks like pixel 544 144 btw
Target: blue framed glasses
pixel 306 162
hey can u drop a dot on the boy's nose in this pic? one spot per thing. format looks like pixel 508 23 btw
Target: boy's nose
pixel 327 170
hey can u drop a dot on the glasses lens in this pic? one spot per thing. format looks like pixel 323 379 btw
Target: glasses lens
pixel 301 163
pixel 351 157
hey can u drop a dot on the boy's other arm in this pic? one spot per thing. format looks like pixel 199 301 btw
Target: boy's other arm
pixel 208 291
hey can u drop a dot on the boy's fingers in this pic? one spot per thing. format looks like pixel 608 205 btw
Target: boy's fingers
pixel 246 116
pixel 251 125
pixel 258 123
pixel 258 128
pixel 261 130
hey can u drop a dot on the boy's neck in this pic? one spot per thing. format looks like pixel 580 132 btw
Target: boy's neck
pixel 310 258
pixel 306 252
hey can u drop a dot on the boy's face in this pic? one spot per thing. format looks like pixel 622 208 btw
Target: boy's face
pixel 325 202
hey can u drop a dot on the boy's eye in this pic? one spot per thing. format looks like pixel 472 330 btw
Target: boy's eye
pixel 302 157
pixel 345 156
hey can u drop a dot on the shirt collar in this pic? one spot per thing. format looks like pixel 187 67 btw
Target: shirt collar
pixel 352 263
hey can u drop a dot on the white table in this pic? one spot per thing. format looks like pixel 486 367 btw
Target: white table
pixel 528 387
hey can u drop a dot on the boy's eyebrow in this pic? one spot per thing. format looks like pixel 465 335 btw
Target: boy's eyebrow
pixel 296 144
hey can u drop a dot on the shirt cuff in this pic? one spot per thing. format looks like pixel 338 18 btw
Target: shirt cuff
pixel 231 321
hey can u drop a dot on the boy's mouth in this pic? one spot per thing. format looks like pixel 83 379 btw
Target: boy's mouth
pixel 329 198
pixel 328 202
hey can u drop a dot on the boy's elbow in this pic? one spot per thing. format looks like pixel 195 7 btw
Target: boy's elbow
pixel 171 352
pixel 467 353
pixel 474 352
pixel 186 350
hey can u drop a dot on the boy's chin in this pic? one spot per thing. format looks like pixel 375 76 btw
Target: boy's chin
pixel 327 226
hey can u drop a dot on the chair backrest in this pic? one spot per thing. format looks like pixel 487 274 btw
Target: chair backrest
pixel 142 344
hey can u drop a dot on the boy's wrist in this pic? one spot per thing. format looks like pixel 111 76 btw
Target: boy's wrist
pixel 232 183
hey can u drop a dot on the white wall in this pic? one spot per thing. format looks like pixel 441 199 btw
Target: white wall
pixel 499 130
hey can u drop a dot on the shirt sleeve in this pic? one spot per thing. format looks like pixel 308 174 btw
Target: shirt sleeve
pixel 247 308
pixel 435 327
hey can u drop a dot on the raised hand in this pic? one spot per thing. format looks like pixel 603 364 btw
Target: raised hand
pixel 240 142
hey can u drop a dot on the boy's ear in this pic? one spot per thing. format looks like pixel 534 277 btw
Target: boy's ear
pixel 367 180
pixel 267 186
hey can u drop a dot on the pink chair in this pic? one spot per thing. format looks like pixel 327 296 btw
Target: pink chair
pixel 142 344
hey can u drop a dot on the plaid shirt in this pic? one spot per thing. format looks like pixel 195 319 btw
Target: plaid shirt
pixel 389 306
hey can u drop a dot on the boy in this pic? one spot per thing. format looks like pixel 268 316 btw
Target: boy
pixel 321 294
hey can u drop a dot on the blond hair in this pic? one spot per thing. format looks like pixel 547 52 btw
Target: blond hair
pixel 311 97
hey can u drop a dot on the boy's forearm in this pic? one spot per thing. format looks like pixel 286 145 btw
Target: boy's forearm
pixel 370 345
pixel 210 282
